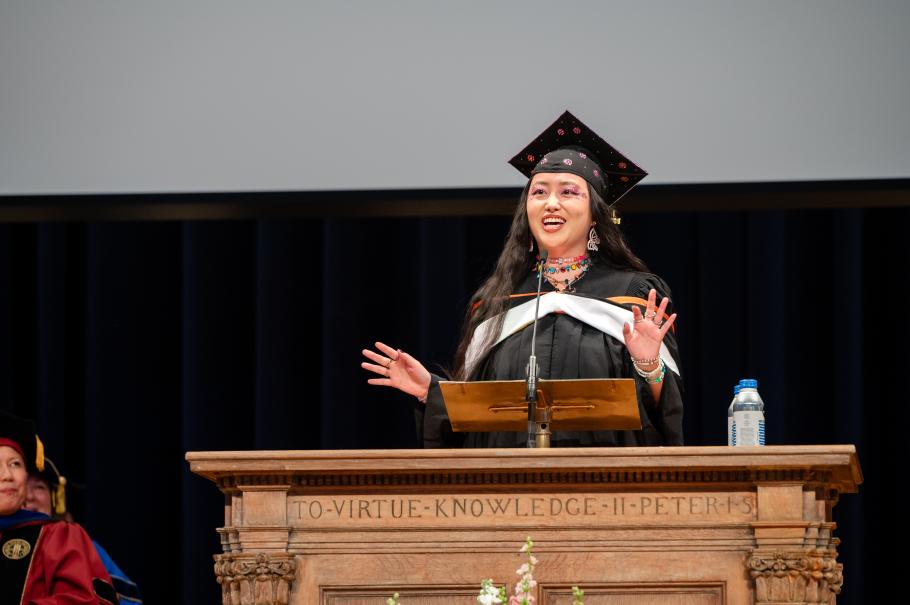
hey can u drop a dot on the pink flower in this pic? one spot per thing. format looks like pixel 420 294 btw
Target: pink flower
pixel 582 155
pixel 596 172
pixel 576 130
pixel 560 131
pixel 567 162
pixel 543 161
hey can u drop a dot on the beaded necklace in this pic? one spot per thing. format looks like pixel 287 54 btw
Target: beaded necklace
pixel 564 265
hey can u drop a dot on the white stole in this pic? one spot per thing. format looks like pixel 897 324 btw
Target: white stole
pixel 599 314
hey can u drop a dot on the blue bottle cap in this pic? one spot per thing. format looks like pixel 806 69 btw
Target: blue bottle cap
pixel 748 383
pixel 736 389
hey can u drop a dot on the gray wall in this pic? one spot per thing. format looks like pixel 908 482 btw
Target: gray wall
pixel 205 95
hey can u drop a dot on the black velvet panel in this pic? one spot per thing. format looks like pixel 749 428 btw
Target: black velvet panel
pixel 131 343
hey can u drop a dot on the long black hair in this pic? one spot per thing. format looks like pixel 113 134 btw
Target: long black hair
pixel 515 261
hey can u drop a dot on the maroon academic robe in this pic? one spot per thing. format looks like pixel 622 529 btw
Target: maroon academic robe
pixel 62 567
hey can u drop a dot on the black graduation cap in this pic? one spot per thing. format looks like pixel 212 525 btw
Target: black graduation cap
pixel 567 145
pixel 22 433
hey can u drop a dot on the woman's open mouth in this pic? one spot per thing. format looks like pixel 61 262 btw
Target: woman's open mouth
pixel 552 222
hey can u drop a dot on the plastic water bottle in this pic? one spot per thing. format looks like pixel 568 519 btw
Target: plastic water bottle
pixel 730 425
pixel 748 415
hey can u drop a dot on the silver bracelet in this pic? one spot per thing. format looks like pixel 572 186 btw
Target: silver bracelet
pixel 644 362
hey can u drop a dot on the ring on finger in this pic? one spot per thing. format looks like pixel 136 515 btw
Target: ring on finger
pixel 650 315
pixel 386 365
pixel 658 322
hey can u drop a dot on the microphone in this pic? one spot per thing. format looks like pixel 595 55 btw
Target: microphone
pixel 538 432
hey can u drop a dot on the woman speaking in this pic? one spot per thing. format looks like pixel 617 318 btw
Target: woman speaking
pixel 599 310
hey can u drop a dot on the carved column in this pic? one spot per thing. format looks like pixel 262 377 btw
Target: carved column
pixel 812 576
pixel 255 579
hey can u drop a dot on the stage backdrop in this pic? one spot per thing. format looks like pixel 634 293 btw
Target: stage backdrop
pixel 231 95
pixel 131 343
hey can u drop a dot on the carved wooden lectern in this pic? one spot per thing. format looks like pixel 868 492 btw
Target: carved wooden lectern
pixel 630 526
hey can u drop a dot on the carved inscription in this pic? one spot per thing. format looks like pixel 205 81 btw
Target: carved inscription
pixel 519 509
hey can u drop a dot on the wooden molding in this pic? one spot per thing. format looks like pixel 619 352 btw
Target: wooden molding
pixel 835 466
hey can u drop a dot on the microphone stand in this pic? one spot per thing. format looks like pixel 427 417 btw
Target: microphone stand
pixel 538 420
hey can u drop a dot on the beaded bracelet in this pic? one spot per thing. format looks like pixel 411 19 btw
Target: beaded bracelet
pixel 660 378
pixel 654 376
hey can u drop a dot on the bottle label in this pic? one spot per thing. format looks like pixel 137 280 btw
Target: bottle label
pixel 729 430
pixel 749 428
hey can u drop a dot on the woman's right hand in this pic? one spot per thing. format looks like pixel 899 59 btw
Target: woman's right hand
pixel 397 369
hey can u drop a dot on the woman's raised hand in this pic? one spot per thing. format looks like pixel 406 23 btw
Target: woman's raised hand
pixel 644 341
pixel 398 369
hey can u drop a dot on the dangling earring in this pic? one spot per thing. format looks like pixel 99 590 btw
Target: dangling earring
pixel 593 238
pixel 614 217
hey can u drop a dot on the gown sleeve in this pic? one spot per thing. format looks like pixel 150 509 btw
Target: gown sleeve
pixel 67 570
pixel 433 427
pixel 665 415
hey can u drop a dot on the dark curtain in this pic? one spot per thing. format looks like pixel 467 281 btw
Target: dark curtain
pixel 132 343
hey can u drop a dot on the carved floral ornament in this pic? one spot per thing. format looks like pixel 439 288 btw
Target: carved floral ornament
pixel 263 580
pixel 796 577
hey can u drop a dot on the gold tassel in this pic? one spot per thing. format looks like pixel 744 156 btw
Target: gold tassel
pixel 39 454
pixel 60 498
pixel 615 217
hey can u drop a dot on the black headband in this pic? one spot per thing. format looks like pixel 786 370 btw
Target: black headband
pixel 577 161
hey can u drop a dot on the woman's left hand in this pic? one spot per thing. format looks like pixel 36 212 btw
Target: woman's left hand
pixel 644 341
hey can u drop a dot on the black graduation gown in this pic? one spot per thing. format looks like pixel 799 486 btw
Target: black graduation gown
pixel 569 348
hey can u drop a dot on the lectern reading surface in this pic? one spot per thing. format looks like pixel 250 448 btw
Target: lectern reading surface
pixel 575 405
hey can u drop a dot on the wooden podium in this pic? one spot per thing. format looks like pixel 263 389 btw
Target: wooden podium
pixel 630 526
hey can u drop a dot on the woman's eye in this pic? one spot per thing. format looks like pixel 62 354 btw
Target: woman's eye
pixel 538 192
pixel 569 192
